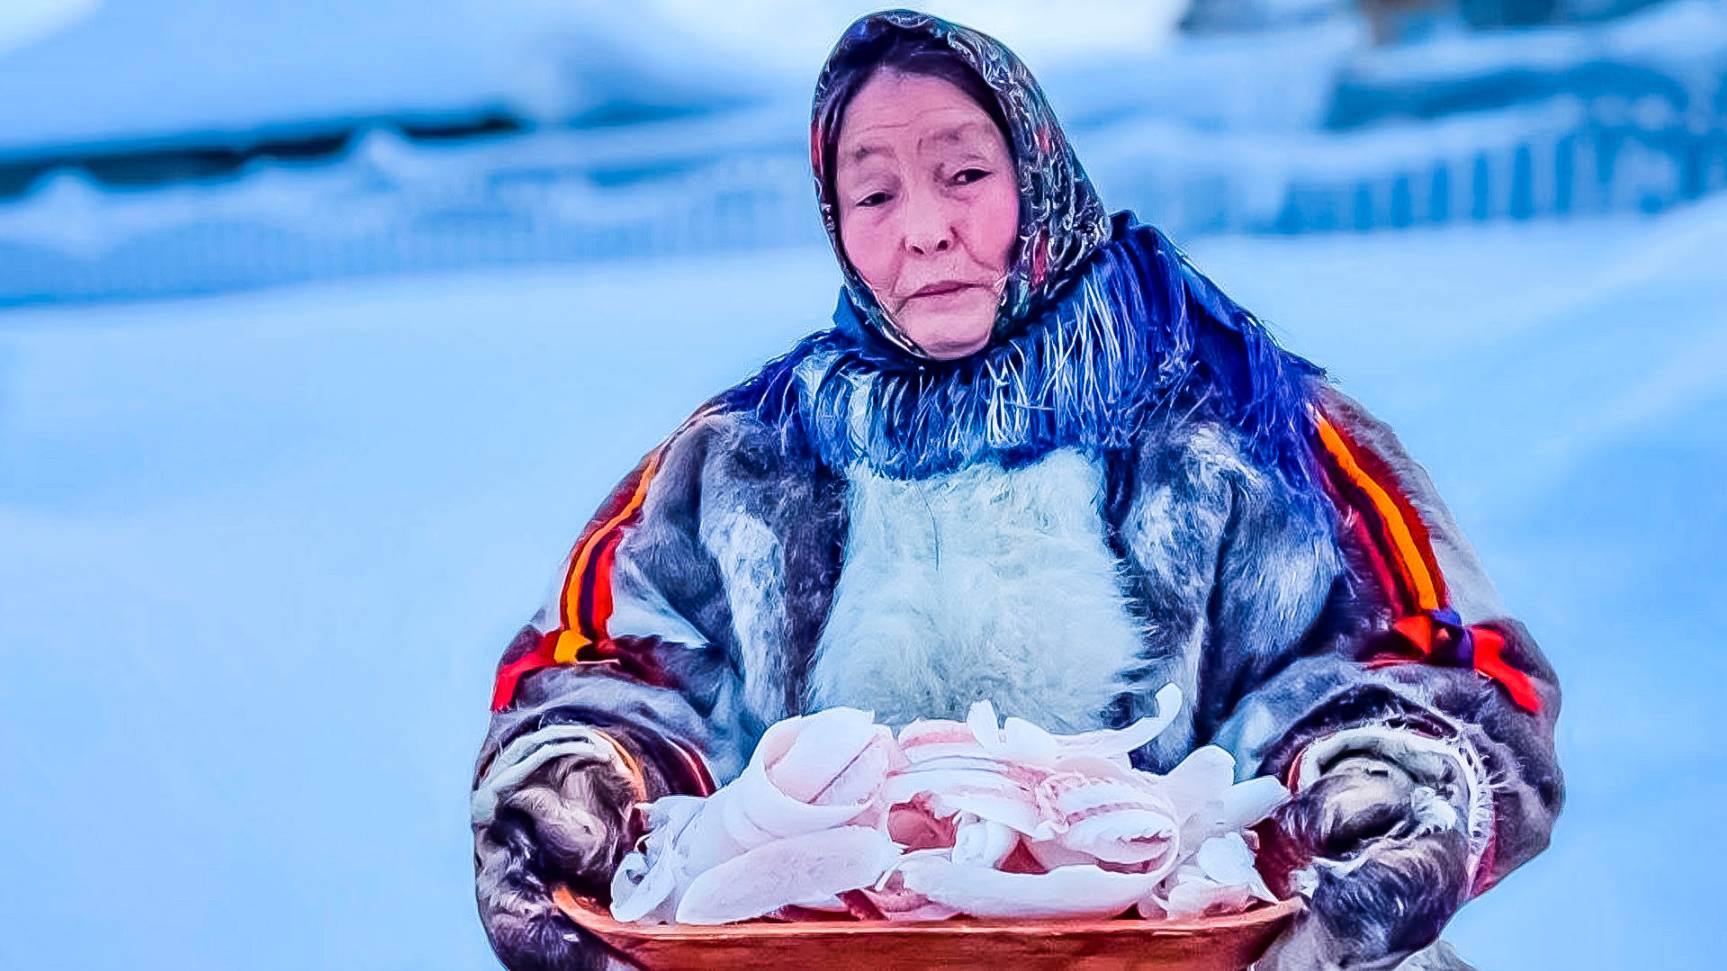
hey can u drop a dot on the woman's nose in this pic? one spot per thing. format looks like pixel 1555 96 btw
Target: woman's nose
pixel 925 245
pixel 928 229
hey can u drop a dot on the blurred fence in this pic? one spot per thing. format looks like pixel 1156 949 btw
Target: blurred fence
pixel 1622 117
pixel 1555 161
pixel 392 208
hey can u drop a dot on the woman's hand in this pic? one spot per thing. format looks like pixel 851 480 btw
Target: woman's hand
pixel 554 808
pixel 1384 862
pixel 575 812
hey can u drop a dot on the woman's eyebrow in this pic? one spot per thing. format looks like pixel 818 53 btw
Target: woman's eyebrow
pixel 953 134
pixel 864 151
pixel 950 135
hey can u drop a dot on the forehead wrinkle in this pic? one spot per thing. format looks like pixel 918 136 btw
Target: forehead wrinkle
pixel 860 124
pixel 949 135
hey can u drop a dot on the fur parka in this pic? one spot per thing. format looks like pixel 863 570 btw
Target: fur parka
pixel 1133 485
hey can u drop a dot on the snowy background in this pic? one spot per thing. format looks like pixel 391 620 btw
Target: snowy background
pixel 329 324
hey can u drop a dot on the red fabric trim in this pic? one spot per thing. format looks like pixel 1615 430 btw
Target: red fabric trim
pixel 1484 878
pixel 511 674
pixel 600 604
pixel 1388 479
pixel 696 767
pixel 1490 660
pixel 1420 631
pixel 1292 775
pixel 1356 522
pixel 1417 629
pixel 1371 533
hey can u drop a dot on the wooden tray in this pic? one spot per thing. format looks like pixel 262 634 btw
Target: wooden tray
pixel 1211 944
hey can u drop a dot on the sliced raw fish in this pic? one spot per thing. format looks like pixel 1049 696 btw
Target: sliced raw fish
pixel 1018 740
pixel 1227 859
pixel 985 817
pixel 982 842
pixel 787 871
pixel 646 882
pixel 894 902
pixel 837 753
pixel 1196 895
pixel 1123 741
pixel 1220 879
pixel 1140 837
pixel 1069 891
pixel 1246 803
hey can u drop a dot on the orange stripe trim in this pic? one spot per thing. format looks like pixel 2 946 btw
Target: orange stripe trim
pixel 1407 551
pixel 1356 521
pixel 570 640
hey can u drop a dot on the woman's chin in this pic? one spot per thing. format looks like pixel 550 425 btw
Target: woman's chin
pixel 947 340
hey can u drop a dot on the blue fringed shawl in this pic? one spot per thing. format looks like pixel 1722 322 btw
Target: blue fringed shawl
pixel 1138 333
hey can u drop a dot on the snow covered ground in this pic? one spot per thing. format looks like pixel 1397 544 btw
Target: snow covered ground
pixel 263 550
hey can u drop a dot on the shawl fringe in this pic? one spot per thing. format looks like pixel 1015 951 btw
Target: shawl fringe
pixel 1138 335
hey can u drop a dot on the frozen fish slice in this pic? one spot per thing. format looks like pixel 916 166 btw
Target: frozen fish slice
pixel 896 903
pixel 1234 809
pixel 1128 837
pixel 934 738
pixel 647 879
pixel 1205 774
pixel 1221 879
pixel 644 891
pixel 748 813
pixel 1227 860
pixel 915 826
pixel 1246 803
pixel 1202 897
pixel 774 875
pixel 983 787
pixel 1052 853
pixel 936 777
pixel 1124 741
pixel 983 842
pixel 1070 891
pixel 1018 812
pixel 1072 795
pixel 1020 741
pixel 858 782
pixel 805 755
pixel 838 757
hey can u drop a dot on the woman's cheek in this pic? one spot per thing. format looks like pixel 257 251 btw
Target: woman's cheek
pixel 998 221
pixel 865 247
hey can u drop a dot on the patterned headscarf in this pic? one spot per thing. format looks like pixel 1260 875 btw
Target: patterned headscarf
pixel 1061 219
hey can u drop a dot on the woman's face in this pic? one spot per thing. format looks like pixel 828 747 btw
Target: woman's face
pixel 929 210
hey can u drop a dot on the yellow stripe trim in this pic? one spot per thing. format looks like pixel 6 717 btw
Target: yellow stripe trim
pixel 571 639
pixel 1406 549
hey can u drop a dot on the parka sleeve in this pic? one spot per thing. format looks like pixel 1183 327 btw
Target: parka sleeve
pixel 625 664
pixel 1408 655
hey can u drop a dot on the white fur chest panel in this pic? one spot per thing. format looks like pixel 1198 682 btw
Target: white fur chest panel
pixel 983 583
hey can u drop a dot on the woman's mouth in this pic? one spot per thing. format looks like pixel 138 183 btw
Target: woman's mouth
pixel 940 290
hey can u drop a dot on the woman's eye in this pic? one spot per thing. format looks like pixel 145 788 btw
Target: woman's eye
pixel 872 200
pixel 968 176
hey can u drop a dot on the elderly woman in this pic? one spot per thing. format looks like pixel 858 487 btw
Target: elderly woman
pixel 1039 459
